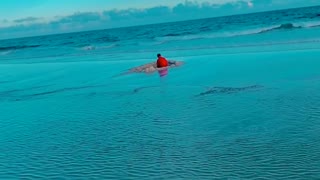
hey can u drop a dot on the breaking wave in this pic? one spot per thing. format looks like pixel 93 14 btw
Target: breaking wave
pixel 253 31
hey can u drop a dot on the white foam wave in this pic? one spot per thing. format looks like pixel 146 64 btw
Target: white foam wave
pixel 92 47
pixel 226 34
pixel 5 53
pixel 162 40
pixel 108 46
pixel 310 24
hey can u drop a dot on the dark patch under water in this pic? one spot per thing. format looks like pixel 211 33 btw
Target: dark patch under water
pixel 7 48
pixel 23 94
pixel 228 90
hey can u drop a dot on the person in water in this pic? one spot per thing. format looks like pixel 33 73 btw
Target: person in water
pixel 161 61
pixel 161 65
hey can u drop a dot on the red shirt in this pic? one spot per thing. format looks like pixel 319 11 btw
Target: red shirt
pixel 162 62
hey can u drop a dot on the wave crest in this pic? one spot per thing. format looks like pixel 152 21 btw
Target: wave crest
pixel 286 26
pixel 253 31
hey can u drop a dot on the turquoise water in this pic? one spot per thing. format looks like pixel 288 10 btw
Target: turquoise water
pixel 244 106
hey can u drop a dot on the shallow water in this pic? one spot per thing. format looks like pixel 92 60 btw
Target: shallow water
pixel 243 112
pixel 77 122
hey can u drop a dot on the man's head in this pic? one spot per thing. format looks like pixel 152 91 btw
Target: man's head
pixel 159 55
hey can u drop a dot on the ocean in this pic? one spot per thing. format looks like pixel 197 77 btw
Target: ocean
pixel 244 105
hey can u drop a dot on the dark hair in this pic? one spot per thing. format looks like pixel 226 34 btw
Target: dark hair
pixel 158 55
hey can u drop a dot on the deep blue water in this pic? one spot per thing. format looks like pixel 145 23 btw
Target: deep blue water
pixel 245 104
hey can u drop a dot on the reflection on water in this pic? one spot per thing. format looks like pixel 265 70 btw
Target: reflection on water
pixel 163 72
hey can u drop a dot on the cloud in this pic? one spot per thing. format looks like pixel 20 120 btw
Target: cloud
pixel 28 19
pixel 83 18
pixel 83 21
pixel 5 23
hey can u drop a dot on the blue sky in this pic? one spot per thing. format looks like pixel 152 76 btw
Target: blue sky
pixel 19 18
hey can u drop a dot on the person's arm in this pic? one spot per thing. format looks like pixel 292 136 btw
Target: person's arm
pixel 174 63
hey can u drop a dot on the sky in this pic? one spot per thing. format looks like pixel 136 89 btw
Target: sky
pixel 21 18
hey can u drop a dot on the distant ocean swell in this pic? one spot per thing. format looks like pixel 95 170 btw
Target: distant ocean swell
pixel 253 31
pixel 295 26
pixel 183 36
